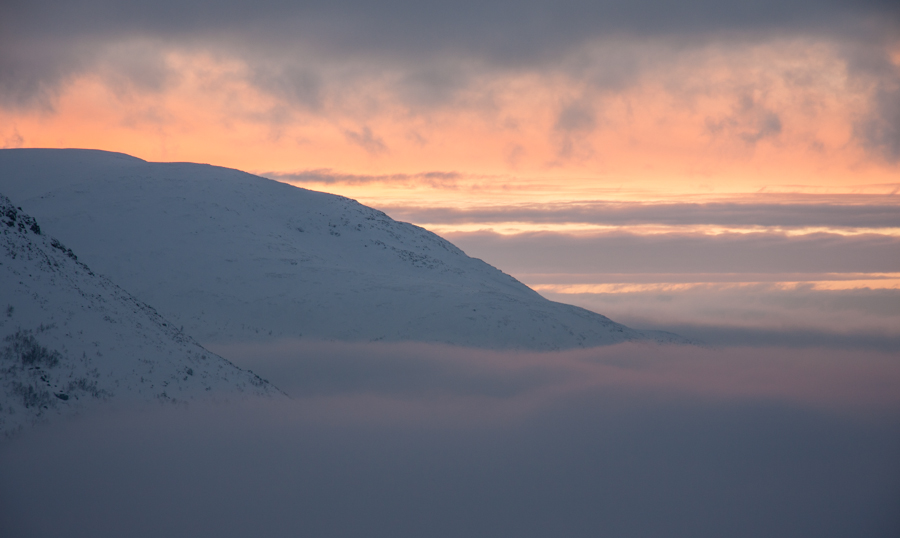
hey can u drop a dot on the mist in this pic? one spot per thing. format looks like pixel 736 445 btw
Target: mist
pixel 427 440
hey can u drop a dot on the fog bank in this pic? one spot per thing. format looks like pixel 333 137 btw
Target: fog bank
pixel 411 440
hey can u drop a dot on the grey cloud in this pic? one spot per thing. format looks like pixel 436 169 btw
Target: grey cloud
pixel 854 212
pixel 136 67
pixel 416 36
pixel 432 85
pixel 578 116
pixel 621 252
pixel 750 121
pixel 292 83
pixel 498 28
pixel 365 139
pixel 14 140
pixel 574 121
pixel 767 125
pixel 32 72
pixel 870 65
pixel 880 130
pixel 328 177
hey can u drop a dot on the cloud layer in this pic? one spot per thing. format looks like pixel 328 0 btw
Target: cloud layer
pixel 386 78
pixel 622 252
pixel 866 212
pixel 631 441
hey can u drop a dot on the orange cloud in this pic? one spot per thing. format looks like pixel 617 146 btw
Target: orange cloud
pixel 775 118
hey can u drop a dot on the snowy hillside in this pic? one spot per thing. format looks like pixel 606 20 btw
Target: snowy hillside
pixel 235 257
pixel 71 338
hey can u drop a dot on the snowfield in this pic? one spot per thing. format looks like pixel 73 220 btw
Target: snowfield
pixel 233 257
pixel 72 338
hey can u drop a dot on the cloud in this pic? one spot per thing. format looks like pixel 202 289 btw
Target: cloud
pixel 880 129
pixel 352 63
pixel 500 29
pixel 577 116
pixel 758 314
pixel 299 86
pixel 14 140
pixel 821 211
pixel 575 121
pixel 365 139
pixel 32 72
pixel 621 252
pixel 48 41
pixel 447 180
pixel 739 450
pixel 749 121
pixel 518 381
pixel 784 337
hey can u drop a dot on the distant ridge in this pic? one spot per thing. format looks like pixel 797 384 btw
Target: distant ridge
pixel 236 257
pixel 70 339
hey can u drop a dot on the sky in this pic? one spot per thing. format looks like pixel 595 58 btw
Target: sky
pixel 726 169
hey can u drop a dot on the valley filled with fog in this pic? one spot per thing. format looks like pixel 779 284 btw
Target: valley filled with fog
pixel 353 375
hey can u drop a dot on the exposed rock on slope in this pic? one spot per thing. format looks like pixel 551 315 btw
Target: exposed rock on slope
pixel 236 257
pixel 70 338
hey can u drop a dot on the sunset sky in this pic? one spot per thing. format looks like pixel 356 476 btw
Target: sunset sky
pixel 725 170
pixel 669 164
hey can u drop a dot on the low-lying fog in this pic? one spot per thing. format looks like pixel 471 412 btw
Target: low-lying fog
pixel 414 440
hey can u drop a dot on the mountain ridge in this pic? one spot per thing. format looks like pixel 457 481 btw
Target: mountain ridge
pixel 238 257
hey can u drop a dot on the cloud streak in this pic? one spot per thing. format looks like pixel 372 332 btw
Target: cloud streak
pixel 330 177
pixel 869 212
pixel 622 252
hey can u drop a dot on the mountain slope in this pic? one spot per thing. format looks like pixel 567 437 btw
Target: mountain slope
pixel 70 338
pixel 236 257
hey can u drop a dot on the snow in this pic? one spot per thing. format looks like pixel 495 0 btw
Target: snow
pixel 234 257
pixel 72 339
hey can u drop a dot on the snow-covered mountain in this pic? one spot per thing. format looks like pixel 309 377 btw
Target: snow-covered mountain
pixel 72 338
pixel 235 257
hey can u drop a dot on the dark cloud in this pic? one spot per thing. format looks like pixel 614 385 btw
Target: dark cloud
pixel 855 212
pixel 45 42
pixel 295 84
pixel 32 71
pixel 375 459
pixel 497 28
pixel 431 85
